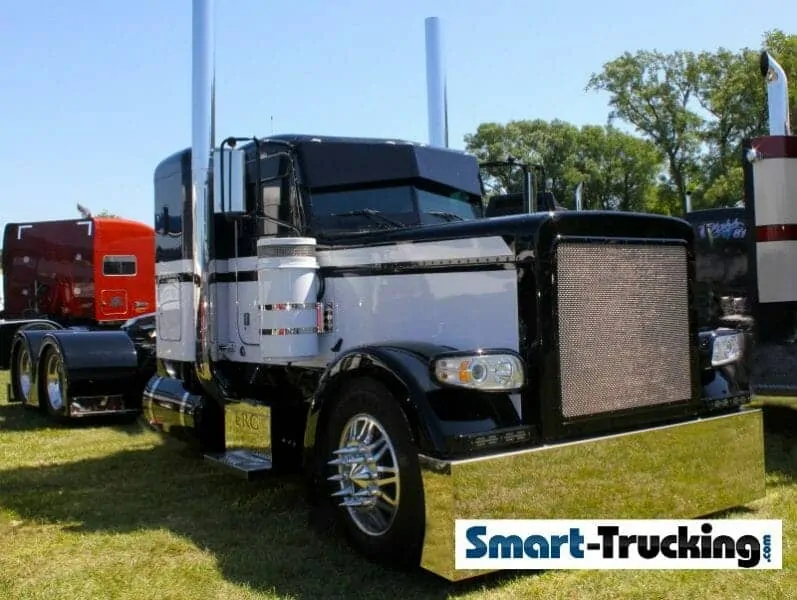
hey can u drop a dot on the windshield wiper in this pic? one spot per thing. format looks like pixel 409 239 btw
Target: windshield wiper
pixel 372 214
pixel 443 214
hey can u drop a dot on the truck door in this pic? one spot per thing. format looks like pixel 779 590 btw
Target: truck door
pixel 275 207
pixel 113 298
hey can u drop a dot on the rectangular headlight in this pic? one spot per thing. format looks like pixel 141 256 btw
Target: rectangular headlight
pixel 499 370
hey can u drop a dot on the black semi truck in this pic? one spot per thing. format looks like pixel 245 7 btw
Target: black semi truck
pixel 343 308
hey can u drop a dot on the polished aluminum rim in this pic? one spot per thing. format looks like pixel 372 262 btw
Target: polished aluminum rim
pixel 55 382
pixel 23 373
pixel 368 475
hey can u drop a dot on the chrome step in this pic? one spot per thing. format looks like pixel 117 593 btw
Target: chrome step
pixel 243 463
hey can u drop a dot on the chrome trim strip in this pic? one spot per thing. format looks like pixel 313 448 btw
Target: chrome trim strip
pixel 290 331
pixel 678 471
pixel 283 306
pixel 96 413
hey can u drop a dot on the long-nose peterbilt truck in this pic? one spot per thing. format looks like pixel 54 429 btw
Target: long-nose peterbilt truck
pixel 341 308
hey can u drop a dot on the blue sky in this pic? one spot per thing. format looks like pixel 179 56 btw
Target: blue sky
pixel 95 93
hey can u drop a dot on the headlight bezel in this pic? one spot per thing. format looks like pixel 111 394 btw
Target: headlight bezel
pixel 488 359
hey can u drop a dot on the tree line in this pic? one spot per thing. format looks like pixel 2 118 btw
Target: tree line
pixel 689 113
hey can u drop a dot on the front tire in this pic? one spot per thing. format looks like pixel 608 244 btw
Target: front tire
pixel 373 474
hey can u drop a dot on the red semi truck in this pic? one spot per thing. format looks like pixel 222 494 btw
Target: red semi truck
pixel 79 271
pixel 92 273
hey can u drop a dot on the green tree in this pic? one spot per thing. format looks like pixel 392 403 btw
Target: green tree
pixel 733 93
pixel 697 108
pixel 656 92
pixel 107 214
pixel 536 142
pixel 618 170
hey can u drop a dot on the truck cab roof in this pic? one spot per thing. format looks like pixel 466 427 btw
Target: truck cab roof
pixel 349 162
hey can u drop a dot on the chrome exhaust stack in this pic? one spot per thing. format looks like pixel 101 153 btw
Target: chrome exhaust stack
pixel 579 196
pixel 202 144
pixel 437 99
pixel 777 95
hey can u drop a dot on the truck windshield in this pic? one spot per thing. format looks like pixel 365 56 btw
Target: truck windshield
pixel 390 207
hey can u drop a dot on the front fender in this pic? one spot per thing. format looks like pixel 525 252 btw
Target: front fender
pixel 403 367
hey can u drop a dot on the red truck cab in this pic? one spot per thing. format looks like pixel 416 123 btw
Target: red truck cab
pixel 99 270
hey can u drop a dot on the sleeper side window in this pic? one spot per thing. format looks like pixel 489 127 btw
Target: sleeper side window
pixel 116 266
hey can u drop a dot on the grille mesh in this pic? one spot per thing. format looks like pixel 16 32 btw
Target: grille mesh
pixel 284 251
pixel 623 327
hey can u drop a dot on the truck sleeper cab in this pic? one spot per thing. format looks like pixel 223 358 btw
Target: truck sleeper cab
pixel 78 271
pixel 69 277
pixel 359 320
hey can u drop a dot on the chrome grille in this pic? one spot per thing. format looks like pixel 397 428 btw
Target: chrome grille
pixel 623 326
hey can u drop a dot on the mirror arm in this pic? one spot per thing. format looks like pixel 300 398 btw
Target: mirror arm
pixel 280 222
pixel 231 143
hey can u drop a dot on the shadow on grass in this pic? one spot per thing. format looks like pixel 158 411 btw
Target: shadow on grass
pixel 780 426
pixel 16 417
pixel 257 532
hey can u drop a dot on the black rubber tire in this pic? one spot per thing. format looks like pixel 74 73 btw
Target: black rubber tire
pixel 15 357
pixel 17 353
pixel 60 415
pixel 401 545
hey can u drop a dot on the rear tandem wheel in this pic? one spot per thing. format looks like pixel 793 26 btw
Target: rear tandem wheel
pixel 23 366
pixel 22 374
pixel 53 386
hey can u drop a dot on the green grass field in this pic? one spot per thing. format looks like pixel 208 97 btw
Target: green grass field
pixel 111 512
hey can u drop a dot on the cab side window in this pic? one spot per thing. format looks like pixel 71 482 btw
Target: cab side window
pixel 277 198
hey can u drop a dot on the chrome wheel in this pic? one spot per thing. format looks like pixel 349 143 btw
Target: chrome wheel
pixel 368 475
pixel 23 374
pixel 54 382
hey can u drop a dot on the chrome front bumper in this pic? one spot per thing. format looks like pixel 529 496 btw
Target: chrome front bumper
pixel 687 470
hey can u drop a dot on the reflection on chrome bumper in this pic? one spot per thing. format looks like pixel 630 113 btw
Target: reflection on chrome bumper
pixel 679 471
pixel 92 406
